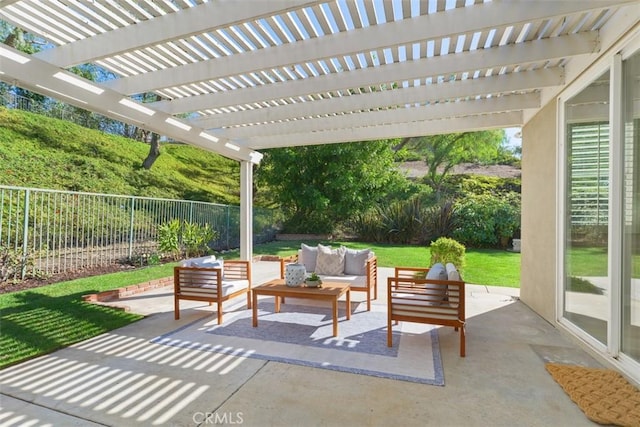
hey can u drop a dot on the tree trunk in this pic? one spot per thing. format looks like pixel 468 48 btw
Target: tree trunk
pixel 154 151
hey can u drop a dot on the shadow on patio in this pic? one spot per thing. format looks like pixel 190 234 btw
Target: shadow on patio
pixel 122 379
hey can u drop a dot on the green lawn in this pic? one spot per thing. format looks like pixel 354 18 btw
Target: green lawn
pixel 41 320
pixel 38 321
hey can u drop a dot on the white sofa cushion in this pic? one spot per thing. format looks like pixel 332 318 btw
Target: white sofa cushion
pixel 308 255
pixel 352 280
pixel 330 261
pixel 355 261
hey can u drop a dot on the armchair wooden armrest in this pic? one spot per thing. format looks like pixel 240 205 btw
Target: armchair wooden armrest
pixel 371 280
pixel 291 259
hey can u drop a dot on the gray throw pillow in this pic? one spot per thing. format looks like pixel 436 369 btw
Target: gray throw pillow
pixel 453 273
pixel 437 272
pixel 309 257
pixel 355 262
pixel 438 292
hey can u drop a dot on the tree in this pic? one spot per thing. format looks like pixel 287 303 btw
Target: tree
pixel 443 152
pixel 154 151
pixel 24 42
pixel 153 139
pixel 320 186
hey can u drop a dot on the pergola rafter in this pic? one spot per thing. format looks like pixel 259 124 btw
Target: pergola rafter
pixel 186 23
pixel 390 36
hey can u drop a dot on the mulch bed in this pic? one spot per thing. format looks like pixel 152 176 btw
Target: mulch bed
pixel 8 287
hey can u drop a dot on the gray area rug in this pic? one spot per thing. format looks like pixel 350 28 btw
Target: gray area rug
pixel 301 334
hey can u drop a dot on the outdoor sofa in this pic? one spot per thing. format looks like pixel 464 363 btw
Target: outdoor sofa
pixel 358 268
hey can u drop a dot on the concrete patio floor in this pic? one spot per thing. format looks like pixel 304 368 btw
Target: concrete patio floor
pixel 121 379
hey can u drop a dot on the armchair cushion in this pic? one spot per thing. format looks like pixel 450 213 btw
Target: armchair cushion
pixel 204 261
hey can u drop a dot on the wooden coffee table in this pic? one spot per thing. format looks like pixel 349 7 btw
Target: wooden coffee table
pixel 330 291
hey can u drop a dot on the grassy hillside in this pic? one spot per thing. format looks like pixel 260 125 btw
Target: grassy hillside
pixel 37 151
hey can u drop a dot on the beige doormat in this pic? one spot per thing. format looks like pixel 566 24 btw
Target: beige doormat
pixel 604 395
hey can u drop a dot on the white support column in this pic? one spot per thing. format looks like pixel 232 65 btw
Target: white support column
pixel 246 210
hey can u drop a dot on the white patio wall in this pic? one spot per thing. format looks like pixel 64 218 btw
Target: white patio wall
pixel 539 189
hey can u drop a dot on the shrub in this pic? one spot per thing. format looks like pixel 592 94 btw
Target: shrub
pixel 438 221
pixel 196 238
pixel 477 184
pixel 13 263
pixel 169 238
pixel 404 155
pixel 487 220
pixel 143 259
pixel 368 227
pixel 10 264
pixel 446 250
pixel 402 220
pixel 188 239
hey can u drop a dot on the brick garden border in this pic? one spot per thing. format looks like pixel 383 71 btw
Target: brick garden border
pixel 127 291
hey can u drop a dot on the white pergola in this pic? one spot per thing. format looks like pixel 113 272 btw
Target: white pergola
pixel 236 77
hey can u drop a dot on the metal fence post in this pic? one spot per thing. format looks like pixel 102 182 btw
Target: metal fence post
pixel 25 234
pixel 228 223
pixel 133 208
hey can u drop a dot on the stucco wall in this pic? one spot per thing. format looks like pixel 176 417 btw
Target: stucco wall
pixel 538 253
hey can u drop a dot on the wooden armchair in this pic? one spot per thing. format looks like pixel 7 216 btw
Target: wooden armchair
pixel 208 284
pixel 413 298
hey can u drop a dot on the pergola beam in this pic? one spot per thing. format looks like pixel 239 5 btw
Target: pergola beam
pixel 397 115
pixel 396 130
pixel 39 76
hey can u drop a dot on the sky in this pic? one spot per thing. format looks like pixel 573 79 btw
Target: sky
pixel 512 140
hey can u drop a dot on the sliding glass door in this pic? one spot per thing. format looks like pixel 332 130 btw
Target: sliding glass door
pixel 600 269
pixel 630 292
pixel 586 281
